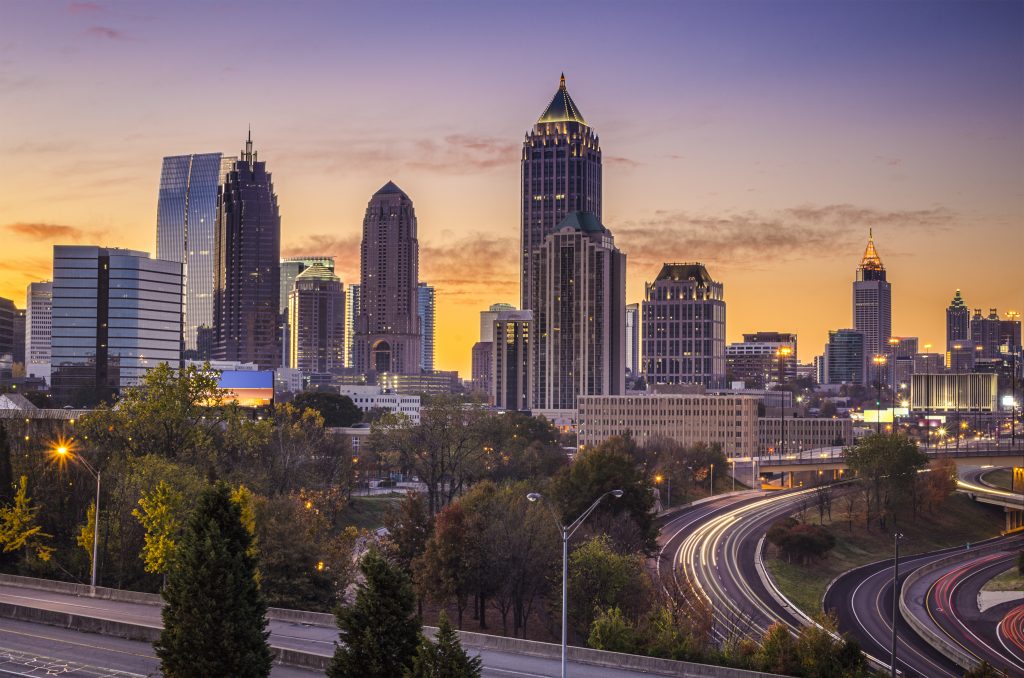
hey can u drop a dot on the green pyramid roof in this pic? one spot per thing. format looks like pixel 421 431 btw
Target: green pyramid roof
pixel 562 108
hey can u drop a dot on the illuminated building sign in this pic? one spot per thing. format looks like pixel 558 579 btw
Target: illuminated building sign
pixel 247 388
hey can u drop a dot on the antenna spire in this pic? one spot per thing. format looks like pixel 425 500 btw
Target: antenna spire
pixel 561 82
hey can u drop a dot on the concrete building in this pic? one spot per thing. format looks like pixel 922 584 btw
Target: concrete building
pixel 633 340
pixel 353 306
pixel 953 393
pixel 186 229
pixel 8 311
pixel 512 360
pixel 929 363
pixel 387 335
pixel 579 333
pixel 958 318
pixel 727 421
pixel 482 369
pixel 247 280
pixel 38 320
pixel 845 358
pixel 962 357
pixel 116 315
pixel 18 351
pixel 683 327
pixel 438 382
pixel 488 317
pixel 992 336
pixel 316 321
pixel 425 311
pixel 762 358
pixel 372 397
pixel 802 433
pixel 872 303
pixel 561 174
pixel 291 267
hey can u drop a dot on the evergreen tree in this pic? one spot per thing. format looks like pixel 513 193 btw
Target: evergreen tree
pixel 379 632
pixel 444 658
pixel 215 615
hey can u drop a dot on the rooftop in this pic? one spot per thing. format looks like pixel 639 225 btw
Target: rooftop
pixel 871 260
pixel 390 189
pixel 686 271
pixel 317 272
pixel 562 108
pixel 586 222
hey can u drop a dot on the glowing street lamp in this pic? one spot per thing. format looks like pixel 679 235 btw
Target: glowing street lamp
pixel 658 480
pixel 63 454
pixel 879 360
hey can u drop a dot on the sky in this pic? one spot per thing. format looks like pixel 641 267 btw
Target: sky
pixel 761 138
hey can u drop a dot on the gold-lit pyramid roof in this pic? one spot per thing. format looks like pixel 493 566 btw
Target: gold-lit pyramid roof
pixel 562 108
pixel 871 259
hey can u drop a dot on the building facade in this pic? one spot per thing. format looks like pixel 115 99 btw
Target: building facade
pixel 683 327
pixel 290 270
pixel 116 314
pixel 561 173
pixel 372 397
pixel 488 317
pixel 727 421
pixel 633 340
pixel 579 334
pixel 482 369
pixel 352 305
pixel 802 433
pixel 958 318
pixel 8 311
pixel 761 358
pixel 512 360
pixel 316 321
pixel 38 319
pixel 845 359
pixel 247 265
pixel 186 227
pixel 953 393
pixel 872 302
pixel 425 311
pixel 387 335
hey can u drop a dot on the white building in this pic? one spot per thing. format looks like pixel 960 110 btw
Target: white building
pixel 371 397
pixel 38 319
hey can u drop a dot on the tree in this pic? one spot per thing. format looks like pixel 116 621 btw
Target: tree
pixel 800 541
pixel 19 526
pixel 215 615
pixel 448 568
pixel 336 410
pixel 822 653
pixel 379 632
pixel 444 658
pixel 160 513
pixel 888 465
pixel 984 670
pixel 778 652
pixel 612 632
pixel 409 528
pixel 600 578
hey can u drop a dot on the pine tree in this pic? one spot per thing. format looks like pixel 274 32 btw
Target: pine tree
pixel 444 658
pixel 215 615
pixel 379 632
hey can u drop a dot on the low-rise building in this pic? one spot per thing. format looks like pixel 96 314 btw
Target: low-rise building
pixel 371 397
pixel 961 393
pixel 802 433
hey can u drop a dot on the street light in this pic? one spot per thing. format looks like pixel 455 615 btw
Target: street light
pixel 657 481
pixel 63 452
pixel 896 539
pixel 712 488
pixel 782 354
pixel 879 360
pixel 567 532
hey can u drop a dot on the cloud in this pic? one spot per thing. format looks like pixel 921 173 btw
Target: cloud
pixel 84 7
pixel 618 161
pixel 105 32
pixel 463 154
pixel 50 232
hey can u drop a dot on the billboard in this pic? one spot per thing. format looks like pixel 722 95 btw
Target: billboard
pixel 248 388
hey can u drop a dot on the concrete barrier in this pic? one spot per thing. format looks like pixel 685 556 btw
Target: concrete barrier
pixel 83 590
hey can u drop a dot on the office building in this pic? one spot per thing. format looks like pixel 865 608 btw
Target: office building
pixel 316 321
pixel 116 314
pixel 958 318
pixel 186 227
pixel 633 340
pixel 290 268
pixel 482 369
pixel 993 336
pixel 387 334
pixel 38 313
pixel 438 382
pixel 425 311
pixel 488 317
pixel 352 306
pixel 371 397
pixel 18 352
pixel 872 302
pixel 845 359
pixel 802 433
pixel 727 421
pixel 7 313
pixel 247 265
pixel 579 308
pixel 929 363
pixel 683 327
pixel 762 358
pixel 961 357
pixel 561 173
pixel 512 360
pixel 953 393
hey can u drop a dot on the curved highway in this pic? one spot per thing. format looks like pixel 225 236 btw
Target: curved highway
pixel 1010 632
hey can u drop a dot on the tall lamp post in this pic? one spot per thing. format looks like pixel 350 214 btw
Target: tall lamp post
pixel 657 481
pixel 782 354
pixel 567 532
pixel 64 452
pixel 879 360
pixel 896 539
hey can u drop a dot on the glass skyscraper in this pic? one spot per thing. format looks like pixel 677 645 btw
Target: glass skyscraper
pixel 116 314
pixel 425 308
pixel 186 222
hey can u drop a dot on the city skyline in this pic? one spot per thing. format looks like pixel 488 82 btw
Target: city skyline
pixel 772 181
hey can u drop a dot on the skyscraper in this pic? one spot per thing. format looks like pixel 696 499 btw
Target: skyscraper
pixel 248 254
pixel 683 327
pixel 316 321
pixel 561 173
pixel 579 308
pixel 511 360
pixel 353 305
pixel 488 317
pixel 633 339
pixel 387 333
pixel 958 319
pixel 38 319
pixel 872 302
pixel 425 311
pixel 7 314
pixel 18 353
pixel 762 357
pixel 290 269
pixel 186 224
pixel 116 314
pixel 845 357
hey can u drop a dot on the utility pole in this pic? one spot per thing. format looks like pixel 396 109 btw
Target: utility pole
pixel 896 539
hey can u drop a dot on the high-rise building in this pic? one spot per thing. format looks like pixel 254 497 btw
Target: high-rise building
pixel 387 333
pixel 633 339
pixel 512 360
pixel 482 369
pixel 958 318
pixel 425 311
pixel 116 314
pixel 561 173
pixel 352 310
pixel 872 302
pixel 488 317
pixel 993 336
pixel 186 226
pixel 929 363
pixel 762 357
pixel 290 269
pixel 1009 333
pixel 7 313
pixel 18 352
pixel 316 321
pixel 248 260
pixel 579 309
pixel 38 314
pixel 845 358
pixel 683 327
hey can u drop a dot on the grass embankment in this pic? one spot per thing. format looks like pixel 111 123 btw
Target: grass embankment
pixel 1000 477
pixel 958 521
pixel 368 512
pixel 1007 581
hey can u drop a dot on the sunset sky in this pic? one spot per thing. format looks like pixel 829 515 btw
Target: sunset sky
pixel 760 138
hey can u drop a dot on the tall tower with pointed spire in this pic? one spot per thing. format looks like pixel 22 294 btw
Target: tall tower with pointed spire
pixel 247 269
pixel 872 302
pixel 561 173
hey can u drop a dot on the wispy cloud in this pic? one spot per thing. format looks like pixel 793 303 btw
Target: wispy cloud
pixel 619 161
pixel 84 7
pixel 105 32
pixel 50 232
